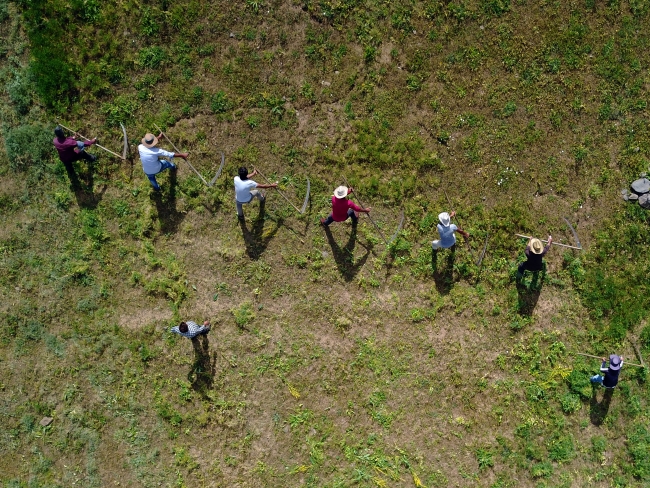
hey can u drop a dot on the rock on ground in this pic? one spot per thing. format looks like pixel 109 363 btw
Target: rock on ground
pixel 644 201
pixel 641 186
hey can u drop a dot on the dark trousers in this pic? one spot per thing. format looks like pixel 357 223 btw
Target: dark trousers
pixel 351 215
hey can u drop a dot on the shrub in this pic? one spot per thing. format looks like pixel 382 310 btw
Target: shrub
pixel 542 470
pixel 561 449
pixel 244 314
pixel 570 402
pixel 485 458
pixel 220 103
pixel 28 145
pixel 579 383
pixel 151 57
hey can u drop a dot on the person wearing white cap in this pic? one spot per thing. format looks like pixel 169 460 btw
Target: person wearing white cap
pixel 343 208
pixel 610 380
pixel 534 251
pixel 446 230
pixel 150 156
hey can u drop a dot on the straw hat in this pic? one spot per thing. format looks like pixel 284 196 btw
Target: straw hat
pixel 149 140
pixel 341 192
pixel 536 246
pixel 444 219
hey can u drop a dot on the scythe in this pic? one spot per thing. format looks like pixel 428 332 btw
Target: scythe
pixel 123 157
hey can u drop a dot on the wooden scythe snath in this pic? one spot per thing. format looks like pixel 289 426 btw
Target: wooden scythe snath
pixel 304 204
pixel 575 234
pixel 399 226
pixel 213 180
pixel 123 157
pixel 554 243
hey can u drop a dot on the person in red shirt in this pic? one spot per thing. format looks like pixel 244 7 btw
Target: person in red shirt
pixel 342 208
pixel 70 149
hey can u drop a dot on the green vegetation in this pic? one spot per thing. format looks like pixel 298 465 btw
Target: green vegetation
pixel 334 360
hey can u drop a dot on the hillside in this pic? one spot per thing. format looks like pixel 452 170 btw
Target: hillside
pixel 335 359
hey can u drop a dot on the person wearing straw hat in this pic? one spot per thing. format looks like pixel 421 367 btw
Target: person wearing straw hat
pixel 247 189
pixel 535 251
pixel 150 156
pixel 446 231
pixel 343 208
pixel 610 379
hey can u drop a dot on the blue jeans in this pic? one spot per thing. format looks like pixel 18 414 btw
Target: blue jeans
pixel 152 178
pixel 351 214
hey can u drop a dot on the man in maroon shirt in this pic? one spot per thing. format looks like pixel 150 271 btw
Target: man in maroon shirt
pixel 71 150
pixel 342 208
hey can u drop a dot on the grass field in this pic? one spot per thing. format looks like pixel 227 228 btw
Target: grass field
pixel 334 359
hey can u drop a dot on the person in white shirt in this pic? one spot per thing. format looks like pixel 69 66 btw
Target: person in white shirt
pixel 247 189
pixel 150 156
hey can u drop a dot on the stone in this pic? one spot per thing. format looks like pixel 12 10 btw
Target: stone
pixel 644 201
pixel 232 35
pixel 633 197
pixel 641 186
pixel 45 421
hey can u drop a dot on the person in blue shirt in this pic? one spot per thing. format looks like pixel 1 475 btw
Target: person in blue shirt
pixel 446 230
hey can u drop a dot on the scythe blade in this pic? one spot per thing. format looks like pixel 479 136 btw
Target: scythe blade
pixel 480 259
pixel 223 161
pixel 399 227
pixel 125 151
pixel 304 204
pixel 575 234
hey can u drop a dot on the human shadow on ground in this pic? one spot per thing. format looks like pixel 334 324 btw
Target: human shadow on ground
pixel 528 291
pixel 344 256
pixel 443 276
pixel 83 187
pixel 201 375
pixel 165 201
pixel 598 411
pixel 256 240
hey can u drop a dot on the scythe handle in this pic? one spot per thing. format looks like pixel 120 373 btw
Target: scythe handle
pixel 281 194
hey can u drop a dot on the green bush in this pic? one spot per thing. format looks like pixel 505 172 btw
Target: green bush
pixel 542 470
pixel 570 402
pixel 579 383
pixel 561 449
pixel 29 145
pixel 220 103
pixel 244 314
pixel 151 57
